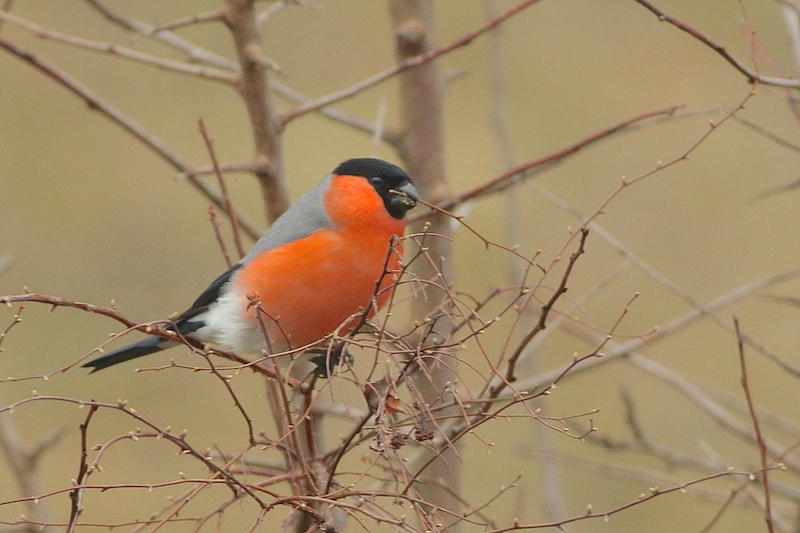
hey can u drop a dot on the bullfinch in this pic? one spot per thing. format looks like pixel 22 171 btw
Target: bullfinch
pixel 317 265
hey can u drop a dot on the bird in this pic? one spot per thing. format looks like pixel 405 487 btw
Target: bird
pixel 323 261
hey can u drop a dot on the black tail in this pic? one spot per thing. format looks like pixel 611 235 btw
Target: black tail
pixel 140 349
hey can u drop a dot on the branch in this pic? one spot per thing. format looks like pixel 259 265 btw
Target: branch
pixel 509 178
pixel 23 468
pixel 663 331
pixel 148 328
pixel 237 238
pixel 510 376
pixel 697 395
pixel 121 51
pixel 240 17
pixel 752 77
pixel 760 440
pixel 76 495
pixel 195 53
pixel 178 440
pixel 95 103
pixel 654 492
pixel 404 65
pixel 209 16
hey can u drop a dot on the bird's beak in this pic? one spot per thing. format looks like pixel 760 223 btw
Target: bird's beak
pixel 404 197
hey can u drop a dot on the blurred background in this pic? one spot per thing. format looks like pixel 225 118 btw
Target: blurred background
pixel 88 213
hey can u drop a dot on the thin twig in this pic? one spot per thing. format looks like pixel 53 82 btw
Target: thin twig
pixel 149 328
pixel 751 75
pixel 212 217
pixel 655 492
pixel 271 9
pixel 195 53
pixel 223 187
pixel 226 383
pixel 663 331
pixel 94 102
pixel 121 51
pixel 404 65
pixel 510 376
pixel 760 440
pixel 224 167
pixel 178 440
pixel 663 280
pixel 510 177
pixel 720 414
pixel 197 18
pixel 76 495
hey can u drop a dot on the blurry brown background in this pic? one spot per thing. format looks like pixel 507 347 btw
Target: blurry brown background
pixel 89 214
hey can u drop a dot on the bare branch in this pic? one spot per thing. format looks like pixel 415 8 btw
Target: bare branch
pixel 404 65
pixel 510 376
pixel 240 17
pixel 237 238
pixel 76 495
pixel 750 75
pixel 510 177
pixel 23 469
pixel 760 440
pixel 193 52
pixel 121 51
pixel 95 103
pixel 197 18
pixel 663 331
pixel 149 328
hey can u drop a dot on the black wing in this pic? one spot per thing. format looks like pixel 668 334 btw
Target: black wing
pixel 208 297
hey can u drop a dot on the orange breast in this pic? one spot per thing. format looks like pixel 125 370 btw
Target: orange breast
pixel 309 288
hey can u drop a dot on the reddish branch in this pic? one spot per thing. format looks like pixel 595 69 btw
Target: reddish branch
pixel 148 328
pixel 237 237
pixel 751 76
pixel 404 65
pixel 76 495
pixel 510 376
pixel 180 441
pixel 653 493
pixel 760 440
pixel 509 178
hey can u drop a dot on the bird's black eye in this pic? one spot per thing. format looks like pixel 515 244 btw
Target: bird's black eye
pixel 376 181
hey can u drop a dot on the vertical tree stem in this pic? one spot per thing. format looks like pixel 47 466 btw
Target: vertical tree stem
pixel 422 152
